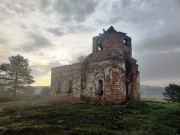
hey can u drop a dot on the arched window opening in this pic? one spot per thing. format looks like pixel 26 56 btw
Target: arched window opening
pixel 125 41
pixel 70 86
pixel 58 87
pixel 100 44
pixel 100 87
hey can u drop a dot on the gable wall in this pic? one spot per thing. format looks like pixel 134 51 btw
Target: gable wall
pixel 61 77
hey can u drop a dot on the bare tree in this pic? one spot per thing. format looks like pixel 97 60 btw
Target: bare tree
pixel 78 59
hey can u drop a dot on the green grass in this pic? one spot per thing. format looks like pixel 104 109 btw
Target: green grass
pixel 130 118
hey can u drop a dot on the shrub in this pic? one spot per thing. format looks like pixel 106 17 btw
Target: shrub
pixel 172 93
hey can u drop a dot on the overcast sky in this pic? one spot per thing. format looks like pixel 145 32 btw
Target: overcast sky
pixel 51 32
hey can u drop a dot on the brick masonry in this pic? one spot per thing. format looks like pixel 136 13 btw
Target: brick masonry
pixel 109 73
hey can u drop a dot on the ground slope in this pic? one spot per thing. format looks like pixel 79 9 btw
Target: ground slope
pixel 130 118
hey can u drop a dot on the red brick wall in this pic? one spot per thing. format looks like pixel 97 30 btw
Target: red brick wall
pixel 107 65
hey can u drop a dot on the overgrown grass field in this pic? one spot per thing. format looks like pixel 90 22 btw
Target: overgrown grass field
pixel 130 118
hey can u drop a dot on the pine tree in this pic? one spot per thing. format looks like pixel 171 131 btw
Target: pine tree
pixel 17 74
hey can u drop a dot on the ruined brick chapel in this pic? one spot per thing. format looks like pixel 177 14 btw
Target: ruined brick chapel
pixel 108 74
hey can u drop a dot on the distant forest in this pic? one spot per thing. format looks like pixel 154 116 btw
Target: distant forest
pixel 153 92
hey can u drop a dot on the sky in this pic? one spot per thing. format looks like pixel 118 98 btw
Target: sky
pixel 51 33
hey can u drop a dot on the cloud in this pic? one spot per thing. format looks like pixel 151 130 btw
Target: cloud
pixel 125 3
pixel 69 10
pixel 53 28
pixel 19 7
pixel 56 31
pixel 39 41
pixel 117 5
pixel 138 13
pixel 163 43
pixel 36 43
pixel 80 29
pixel 73 29
pixel 178 3
pixel 45 4
pixel 77 10
pixel 3 41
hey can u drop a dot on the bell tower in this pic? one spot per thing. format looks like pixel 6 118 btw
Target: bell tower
pixel 111 41
pixel 112 44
